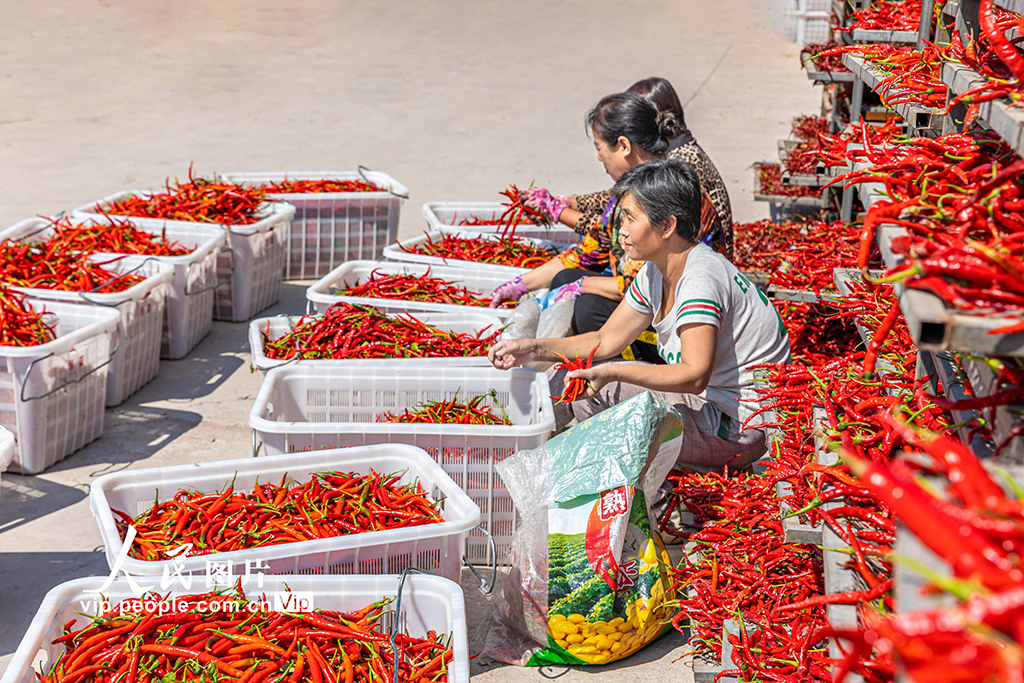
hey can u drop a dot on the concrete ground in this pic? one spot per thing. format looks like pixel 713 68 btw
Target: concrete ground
pixel 455 99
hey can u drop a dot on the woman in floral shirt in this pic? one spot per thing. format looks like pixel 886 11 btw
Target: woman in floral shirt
pixel 628 130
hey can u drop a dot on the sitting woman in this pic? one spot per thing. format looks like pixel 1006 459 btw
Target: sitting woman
pixel 685 148
pixel 627 130
pixel 712 326
pixel 582 212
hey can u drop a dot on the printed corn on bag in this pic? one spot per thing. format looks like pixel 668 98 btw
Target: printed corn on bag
pixel 589 580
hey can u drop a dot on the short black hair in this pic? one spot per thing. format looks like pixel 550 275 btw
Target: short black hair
pixel 665 188
pixel 635 118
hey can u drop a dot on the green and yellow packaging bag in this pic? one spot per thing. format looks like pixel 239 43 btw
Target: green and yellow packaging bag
pixel 589 579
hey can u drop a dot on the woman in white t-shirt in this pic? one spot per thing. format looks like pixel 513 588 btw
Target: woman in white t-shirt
pixel 712 326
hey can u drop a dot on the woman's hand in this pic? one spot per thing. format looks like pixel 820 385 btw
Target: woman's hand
pixel 543 202
pixel 513 290
pixel 508 353
pixel 596 377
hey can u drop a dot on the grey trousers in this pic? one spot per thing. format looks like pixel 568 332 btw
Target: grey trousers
pixel 701 448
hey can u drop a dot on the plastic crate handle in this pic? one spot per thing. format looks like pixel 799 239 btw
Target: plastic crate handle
pixel 485 586
pixel 217 281
pixel 416 570
pixel 125 274
pixel 69 382
pixel 362 175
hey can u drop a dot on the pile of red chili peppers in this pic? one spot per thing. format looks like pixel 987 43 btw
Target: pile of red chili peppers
pixel 316 186
pixel 414 288
pixel 20 324
pixel 199 201
pixel 328 504
pixel 472 412
pixel 347 331
pixel 47 266
pixel 222 636
pixel 798 256
pixel 117 236
pixel 496 249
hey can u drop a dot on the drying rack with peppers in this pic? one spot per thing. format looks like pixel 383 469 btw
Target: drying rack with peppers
pixel 329 504
pixel 222 636
pixel 768 186
pixel 516 252
pixel 798 256
pixel 350 331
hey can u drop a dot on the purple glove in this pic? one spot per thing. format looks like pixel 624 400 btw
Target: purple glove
pixel 544 203
pixel 513 290
pixel 570 291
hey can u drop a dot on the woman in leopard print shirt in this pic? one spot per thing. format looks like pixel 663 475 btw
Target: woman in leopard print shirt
pixel 628 130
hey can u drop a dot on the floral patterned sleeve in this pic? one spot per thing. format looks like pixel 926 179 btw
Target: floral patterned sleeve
pixel 590 253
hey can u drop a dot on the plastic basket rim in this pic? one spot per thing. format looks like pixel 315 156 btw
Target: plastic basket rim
pixel 318 292
pixel 276 376
pixel 395 187
pixel 435 221
pixel 137 292
pixel 21 667
pixel 259 357
pixel 277 212
pixel 414 456
pixel 101 326
pixel 199 253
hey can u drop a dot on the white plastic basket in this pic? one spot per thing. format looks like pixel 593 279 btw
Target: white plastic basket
pixel 251 266
pixel 142 320
pixel 396 252
pixel 189 310
pixel 320 295
pixel 470 323
pixel 330 228
pixel 313 408
pixel 52 395
pixel 441 215
pixel 437 548
pixel 6 449
pixel 429 603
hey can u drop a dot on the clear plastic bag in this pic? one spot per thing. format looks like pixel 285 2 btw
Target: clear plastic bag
pixel 589 580
pixel 523 321
pixel 556 320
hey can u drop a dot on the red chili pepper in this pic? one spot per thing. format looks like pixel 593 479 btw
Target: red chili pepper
pixel 299 512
